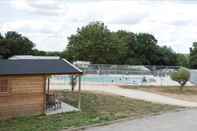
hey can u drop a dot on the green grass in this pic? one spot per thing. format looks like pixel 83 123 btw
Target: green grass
pixel 96 108
pixel 176 90
pixel 187 90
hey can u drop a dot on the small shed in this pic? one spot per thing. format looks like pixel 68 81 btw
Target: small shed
pixel 24 84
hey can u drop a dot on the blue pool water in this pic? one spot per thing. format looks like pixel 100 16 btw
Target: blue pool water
pixel 104 79
pixel 118 79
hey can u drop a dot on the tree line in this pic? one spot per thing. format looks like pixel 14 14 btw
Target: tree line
pixel 13 43
pixel 99 45
pixel 96 43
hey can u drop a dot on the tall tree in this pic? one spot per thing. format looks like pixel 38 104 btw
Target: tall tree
pixel 128 40
pixel 183 60
pixel 193 55
pixel 167 56
pixel 14 43
pixel 147 48
pixel 94 43
pixel 97 44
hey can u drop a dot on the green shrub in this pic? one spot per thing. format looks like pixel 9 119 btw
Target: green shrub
pixel 182 75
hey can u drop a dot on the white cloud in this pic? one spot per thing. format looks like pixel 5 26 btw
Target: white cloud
pixel 30 26
pixel 48 23
pixel 41 7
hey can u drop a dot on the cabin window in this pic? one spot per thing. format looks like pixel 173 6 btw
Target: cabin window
pixel 3 86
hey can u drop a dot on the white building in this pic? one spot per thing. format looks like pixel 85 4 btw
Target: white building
pixel 82 64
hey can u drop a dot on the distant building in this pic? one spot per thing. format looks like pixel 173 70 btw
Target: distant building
pixel 82 64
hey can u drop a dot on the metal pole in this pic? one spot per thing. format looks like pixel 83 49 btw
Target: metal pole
pixel 79 94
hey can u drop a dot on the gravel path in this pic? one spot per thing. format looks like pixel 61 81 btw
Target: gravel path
pixel 174 121
pixel 141 95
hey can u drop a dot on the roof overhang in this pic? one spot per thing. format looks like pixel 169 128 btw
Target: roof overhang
pixel 38 67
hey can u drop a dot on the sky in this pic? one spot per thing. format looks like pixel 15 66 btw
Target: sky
pixel 48 23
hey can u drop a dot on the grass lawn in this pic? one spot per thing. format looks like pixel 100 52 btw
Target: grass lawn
pixel 189 93
pixel 96 108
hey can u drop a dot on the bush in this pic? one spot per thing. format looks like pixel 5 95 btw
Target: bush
pixel 182 75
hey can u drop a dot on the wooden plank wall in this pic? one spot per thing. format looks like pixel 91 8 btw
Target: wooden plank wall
pixel 26 97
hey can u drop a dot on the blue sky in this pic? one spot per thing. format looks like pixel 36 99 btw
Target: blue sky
pixel 48 23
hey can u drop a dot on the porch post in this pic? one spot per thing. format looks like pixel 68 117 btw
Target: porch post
pixel 48 86
pixel 44 94
pixel 79 94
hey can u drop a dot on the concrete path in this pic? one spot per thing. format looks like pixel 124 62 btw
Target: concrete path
pixel 141 95
pixel 131 93
pixel 174 121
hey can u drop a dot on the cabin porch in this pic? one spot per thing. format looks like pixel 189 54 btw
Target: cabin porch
pixel 53 102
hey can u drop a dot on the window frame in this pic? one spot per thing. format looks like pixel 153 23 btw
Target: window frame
pixel 7 92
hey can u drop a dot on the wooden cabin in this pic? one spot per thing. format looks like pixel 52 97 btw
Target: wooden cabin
pixel 23 85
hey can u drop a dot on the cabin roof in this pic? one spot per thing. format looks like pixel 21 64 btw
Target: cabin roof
pixel 37 67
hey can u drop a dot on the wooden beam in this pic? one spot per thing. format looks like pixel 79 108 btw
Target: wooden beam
pixel 79 94
pixel 39 74
pixel 48 86
pixel 44 94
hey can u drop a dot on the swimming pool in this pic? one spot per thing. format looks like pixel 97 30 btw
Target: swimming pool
pixel 108 79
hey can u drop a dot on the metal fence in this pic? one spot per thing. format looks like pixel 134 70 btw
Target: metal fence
pixel 128 74
pixel 140 75
pixel 193 77
pixel 128 69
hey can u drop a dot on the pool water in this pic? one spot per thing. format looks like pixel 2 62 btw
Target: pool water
pixel 108 79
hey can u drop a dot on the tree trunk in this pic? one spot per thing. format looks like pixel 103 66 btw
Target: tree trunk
pixel 181 88
pixel 182 83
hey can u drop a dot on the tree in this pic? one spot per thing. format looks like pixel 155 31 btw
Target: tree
pixel 182 75
pixel 37 52
pixel 54 53
pixel 147 48
pixel 15 44
pixel 183 60
pixel 166 56
pixel 87 42
pixel 1 37
pixel 94 43
pixel 128 40
pixel 97 44
pixel 193 56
